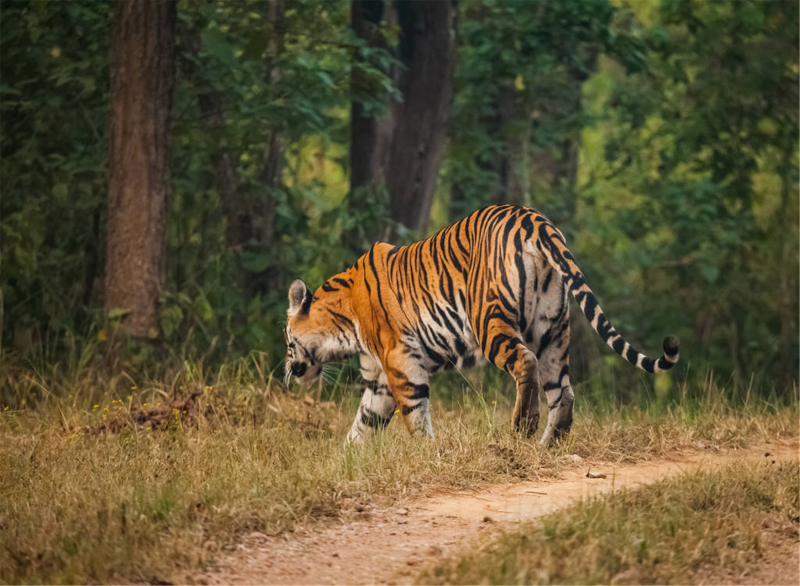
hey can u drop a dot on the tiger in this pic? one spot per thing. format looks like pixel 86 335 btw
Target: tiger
pixel 491 287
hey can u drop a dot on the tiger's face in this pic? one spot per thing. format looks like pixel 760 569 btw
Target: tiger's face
pixel 301 359
pixel 312 337
pixel 302 336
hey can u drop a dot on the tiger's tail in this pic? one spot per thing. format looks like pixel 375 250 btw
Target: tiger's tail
pixel 556 251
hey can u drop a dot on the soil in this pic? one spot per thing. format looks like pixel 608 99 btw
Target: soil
pixel 390 546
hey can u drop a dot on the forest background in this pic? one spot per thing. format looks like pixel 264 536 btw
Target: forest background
pixel 169 167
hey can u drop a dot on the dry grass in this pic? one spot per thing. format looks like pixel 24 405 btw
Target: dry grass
pixel 103 479
pixel 665 533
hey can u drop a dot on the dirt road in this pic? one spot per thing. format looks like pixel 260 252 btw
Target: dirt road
pixel 389 546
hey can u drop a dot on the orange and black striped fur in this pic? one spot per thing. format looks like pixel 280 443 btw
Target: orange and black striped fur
pixel 493 285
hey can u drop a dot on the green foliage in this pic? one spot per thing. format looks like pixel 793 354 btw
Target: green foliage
pixel 697 185
pixel 55 119
pixel 53 105
pixel 518 94
pixel 662 139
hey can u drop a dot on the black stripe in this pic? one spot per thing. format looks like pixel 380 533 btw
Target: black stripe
pixel 409 408
pixel 372 419
pixel 343 318
pixel 546 283
pixel 378 283
pixel 418 392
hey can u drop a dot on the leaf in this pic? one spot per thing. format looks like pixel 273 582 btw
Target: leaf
pixel 171 318
pixel 256 45
pixel 255 262
pixel 326 79
pixel 117 313
pixel 710 272
pixel 217 45
pixel 203 309
pixel 60 191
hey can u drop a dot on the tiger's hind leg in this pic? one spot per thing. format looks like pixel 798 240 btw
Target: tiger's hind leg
pixel 554 365
pixel 508 352
pixel 377 403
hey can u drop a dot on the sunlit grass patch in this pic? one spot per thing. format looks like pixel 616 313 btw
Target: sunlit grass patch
pixel 160 491
pixel 659 534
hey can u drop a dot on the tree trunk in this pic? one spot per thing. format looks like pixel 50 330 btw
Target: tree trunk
pixel 565 176
pixel 403 148
pixel 142 78
pixel 223 167
pixel 272 168
pixel 370 136
pixel 226 177
pixel 427 52
pixel 270 176
pixel 788 291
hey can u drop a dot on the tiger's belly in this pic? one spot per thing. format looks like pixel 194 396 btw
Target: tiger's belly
pixel 443 339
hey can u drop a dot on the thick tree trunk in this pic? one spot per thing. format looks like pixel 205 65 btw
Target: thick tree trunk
pixel 403 148
pixel 508 162
pixel 142 78
pixel 370 136
pixel 427 51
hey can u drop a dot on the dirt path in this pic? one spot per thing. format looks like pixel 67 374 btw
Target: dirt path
pixel 388 545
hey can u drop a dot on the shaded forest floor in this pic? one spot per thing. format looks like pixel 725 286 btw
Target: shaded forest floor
pixel 116 480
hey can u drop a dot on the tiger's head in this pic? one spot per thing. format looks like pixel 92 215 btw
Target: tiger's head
pixel 319 328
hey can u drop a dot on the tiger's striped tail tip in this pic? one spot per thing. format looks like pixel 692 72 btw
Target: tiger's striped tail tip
pixel 671 353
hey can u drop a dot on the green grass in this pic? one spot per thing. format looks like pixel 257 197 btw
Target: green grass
pixel 156 496
pixel 660 534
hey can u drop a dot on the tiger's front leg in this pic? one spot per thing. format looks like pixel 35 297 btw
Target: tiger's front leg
pixel 377 403
pixel 408 381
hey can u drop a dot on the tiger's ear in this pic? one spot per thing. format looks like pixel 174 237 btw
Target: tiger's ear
pixel 299 297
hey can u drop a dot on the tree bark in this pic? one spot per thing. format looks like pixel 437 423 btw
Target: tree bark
pixel 142 77
pixel 427 52
pixel 403 148
pixel 272 168
pixel 370 136
pixel 226 177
